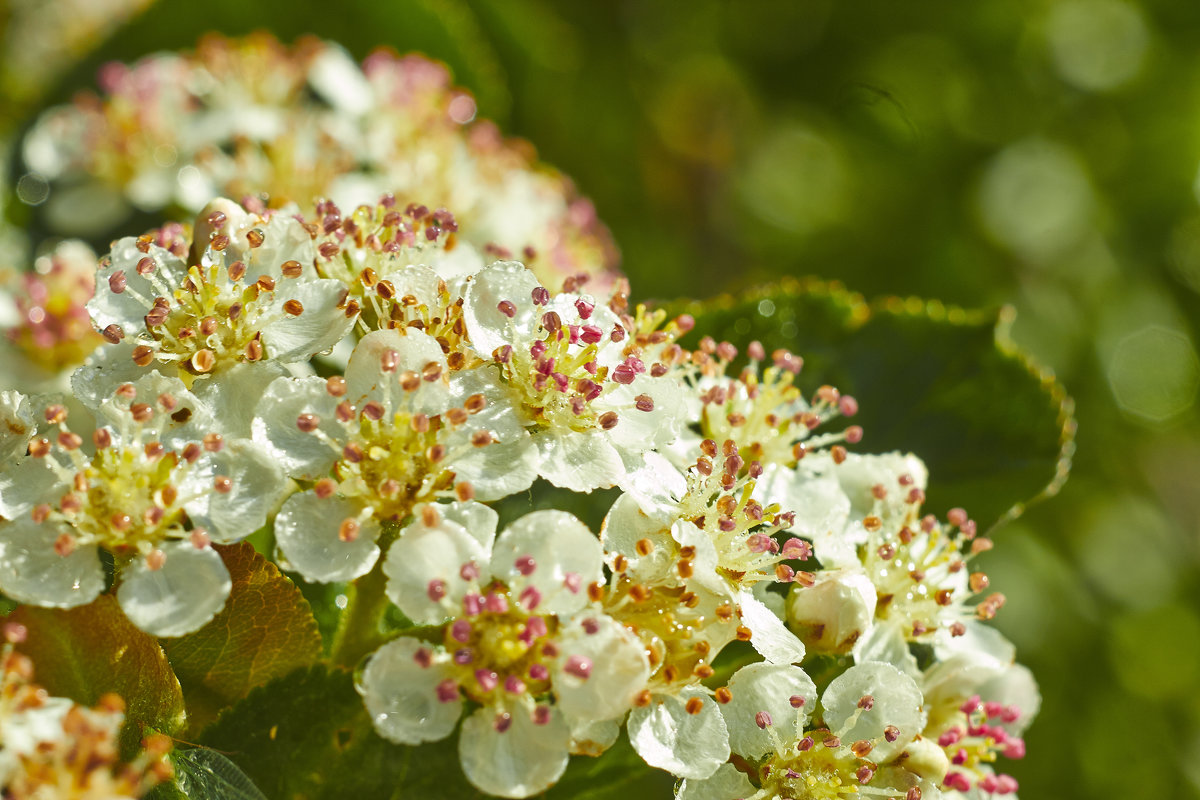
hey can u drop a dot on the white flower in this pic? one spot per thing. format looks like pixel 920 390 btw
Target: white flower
pixel 716 538
pixel 593 407
pixel 519 630
pixel 398 430
pixel 153 492
pixel 869 714
pixel 247 295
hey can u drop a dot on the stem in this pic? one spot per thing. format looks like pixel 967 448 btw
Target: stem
pixel 358 631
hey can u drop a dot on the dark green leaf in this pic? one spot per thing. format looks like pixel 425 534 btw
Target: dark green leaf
pixel 265 631
pixel 946 384
pixel 84 653
pixel 308 735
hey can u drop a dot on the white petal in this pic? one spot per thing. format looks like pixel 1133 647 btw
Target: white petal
pixel 666 736
pixel 619 668
pixel 897 701
pixel 182 595
pixel 770 637
pixel 365 378
pixel 423 555
pixel 257 486
pixel 495 470
pixel 401 694
pixel 566 558
pixel 525 759
pixel 106 368
pixel 109 308
pixel 30 483
pixel 821 507
pixel 645 430
pixel 624 526
pixel 769 688
pixel 475 518
pixel 657 483
pixel 17 426
pixel 284 239
pixel 486 325
pixel 884 641
pixel 232 395
pixel 593 738
pixel 1015 687
pixel 578 461
pixel 306 531
pixel 302 455
pixel 859 473
pixel 32 572
pixel 318 327
pixel 336 77
pixel 724 784
pixel 500 415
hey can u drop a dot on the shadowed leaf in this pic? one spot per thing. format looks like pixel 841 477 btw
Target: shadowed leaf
pixel 941 382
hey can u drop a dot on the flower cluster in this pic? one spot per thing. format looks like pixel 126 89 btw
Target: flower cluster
pixel 53 747
pixel 404 321
pixel 365 388
pixel 255 118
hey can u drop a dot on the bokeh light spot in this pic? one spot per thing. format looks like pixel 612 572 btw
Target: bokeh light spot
pixel 1154 373
pixel 1036 199
pixel 1097 44
pixel 797 179
pixel 32 189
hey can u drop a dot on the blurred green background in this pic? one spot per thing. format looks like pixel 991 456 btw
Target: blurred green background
pixel 1037 153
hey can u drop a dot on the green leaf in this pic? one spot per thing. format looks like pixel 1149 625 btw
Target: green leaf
pixel 995 431
pixel 308 736
pixel 84 653
pixel 265 631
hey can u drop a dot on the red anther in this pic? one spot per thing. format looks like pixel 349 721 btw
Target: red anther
pixel 540 295
pixel 507 308
pixel 854 434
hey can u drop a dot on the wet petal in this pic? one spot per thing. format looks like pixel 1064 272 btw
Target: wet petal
pixel 897 701
pixel 32 572
pixel 366 380
pixel 770 637
pixel 553 552
pixel 724 784
pixel 424 569
pixel 180 596
pixel 524 759
pixel 618 663
pixel 320 325
pixel 399 687
pixel 301 454
pixel 306 532
pixel 578 461
pixel 487 326
pixel 666 736
pixel 256 487
pixel 783 691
